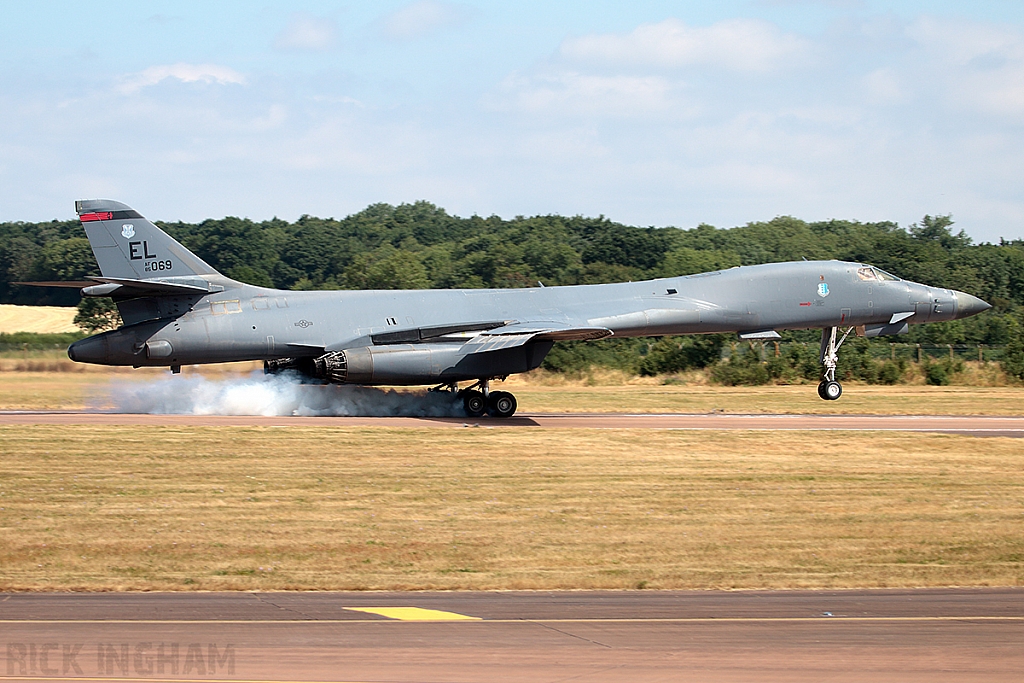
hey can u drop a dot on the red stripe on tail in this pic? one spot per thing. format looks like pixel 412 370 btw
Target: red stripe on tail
pixel 98 216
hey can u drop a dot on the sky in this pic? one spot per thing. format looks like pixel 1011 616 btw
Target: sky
pixel 648 113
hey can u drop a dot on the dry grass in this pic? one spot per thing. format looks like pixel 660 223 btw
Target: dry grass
pixel 116 508
pixel 857 399
pixel 39 319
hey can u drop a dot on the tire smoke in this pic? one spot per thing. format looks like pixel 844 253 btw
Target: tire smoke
pixel 273 395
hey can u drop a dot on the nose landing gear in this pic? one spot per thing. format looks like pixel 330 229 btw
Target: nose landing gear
pixel 829 389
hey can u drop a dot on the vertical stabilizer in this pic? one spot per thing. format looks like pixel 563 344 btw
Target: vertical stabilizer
pixel 128 246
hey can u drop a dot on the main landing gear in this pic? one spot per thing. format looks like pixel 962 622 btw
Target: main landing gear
pixel 829 389
pixel 478 399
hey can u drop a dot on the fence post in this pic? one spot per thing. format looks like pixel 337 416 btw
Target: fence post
pixel 918 353
pixel 981 358
pixel 777 354
pixel 892 351
pixel 950 352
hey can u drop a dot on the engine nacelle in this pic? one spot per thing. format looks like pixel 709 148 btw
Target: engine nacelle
pixel 410 364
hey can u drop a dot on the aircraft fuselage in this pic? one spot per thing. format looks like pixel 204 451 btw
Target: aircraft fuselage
pixel 244 322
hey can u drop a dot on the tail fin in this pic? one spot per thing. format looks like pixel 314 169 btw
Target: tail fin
pixel 128 246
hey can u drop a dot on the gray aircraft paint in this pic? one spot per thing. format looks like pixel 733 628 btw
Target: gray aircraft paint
pixel 177 310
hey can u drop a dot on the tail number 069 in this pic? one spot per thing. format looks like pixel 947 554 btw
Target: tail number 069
pixel 153 266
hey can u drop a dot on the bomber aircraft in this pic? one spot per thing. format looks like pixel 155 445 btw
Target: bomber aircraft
pixel 178 310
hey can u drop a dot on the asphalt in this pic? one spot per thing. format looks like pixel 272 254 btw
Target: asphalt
pixel 878 635
pixel 973 425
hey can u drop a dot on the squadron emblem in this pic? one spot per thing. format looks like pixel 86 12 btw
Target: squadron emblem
pixel 822 289
pixel 128 231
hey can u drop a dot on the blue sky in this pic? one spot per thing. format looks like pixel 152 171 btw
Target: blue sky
pixel 650 113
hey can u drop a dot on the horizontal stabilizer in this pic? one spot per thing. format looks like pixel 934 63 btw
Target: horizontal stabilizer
pixel 69 284
pixel 126 287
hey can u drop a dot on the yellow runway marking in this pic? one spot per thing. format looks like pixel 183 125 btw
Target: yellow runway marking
pixel 414 614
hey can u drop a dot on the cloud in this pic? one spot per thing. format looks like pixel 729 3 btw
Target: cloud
pixel 187 73
pixel 306 33
pixel 883 86
pixel 637 74
pixel 748 45
pixel 980 66
pixel 421 18
pixel 967 43
pixel 570 92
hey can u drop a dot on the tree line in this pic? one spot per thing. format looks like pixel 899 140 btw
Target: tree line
pixel 420 245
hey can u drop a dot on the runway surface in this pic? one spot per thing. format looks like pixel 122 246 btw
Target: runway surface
pixel 973 425
pixel 905 635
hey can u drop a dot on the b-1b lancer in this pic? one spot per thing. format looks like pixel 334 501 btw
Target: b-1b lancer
pixel 177 310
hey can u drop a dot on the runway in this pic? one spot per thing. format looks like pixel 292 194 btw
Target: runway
pixel 971 425
pixel 906 635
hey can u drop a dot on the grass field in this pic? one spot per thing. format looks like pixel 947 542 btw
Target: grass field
pixel 115 508
pixel 39 319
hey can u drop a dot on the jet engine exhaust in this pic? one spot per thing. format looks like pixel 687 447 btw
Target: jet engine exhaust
pixel 271 396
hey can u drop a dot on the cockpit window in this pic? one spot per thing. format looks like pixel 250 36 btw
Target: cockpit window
pixel 882 275
pixel 866 274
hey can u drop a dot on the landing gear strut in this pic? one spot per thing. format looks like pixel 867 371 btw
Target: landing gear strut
pixel 829 389
pixel 479 399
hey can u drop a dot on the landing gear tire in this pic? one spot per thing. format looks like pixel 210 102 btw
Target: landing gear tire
pixel 474 402
pixel 821 390
pixel 501 404
pixel 830 391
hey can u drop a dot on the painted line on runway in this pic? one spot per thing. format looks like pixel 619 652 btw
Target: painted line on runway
pixel 414 614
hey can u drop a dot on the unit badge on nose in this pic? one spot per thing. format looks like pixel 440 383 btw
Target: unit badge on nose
pixel 128 231
pixel 822 289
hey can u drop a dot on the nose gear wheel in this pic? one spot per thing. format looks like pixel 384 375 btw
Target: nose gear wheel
pixel 829 389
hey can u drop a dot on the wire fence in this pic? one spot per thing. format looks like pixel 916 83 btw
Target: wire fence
pixel 915 353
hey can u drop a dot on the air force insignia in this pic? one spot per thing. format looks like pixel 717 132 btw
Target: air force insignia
pixel 822 289
pixel 128 231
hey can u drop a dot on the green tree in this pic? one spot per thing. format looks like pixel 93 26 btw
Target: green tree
pixel 96 314
pixel 676 354
pixel 70 259
pixel 1013 356
pixel 387 268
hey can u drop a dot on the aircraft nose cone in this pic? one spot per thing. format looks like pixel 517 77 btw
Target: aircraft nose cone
pixel 967 305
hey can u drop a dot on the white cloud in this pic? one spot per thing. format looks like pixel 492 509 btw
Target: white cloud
pixel 748 45
pixel 980 66
pixel 187 73
pixel 967 43
pixel 423 17
pixel 307 33
pixel 883 85
pixel 572 93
